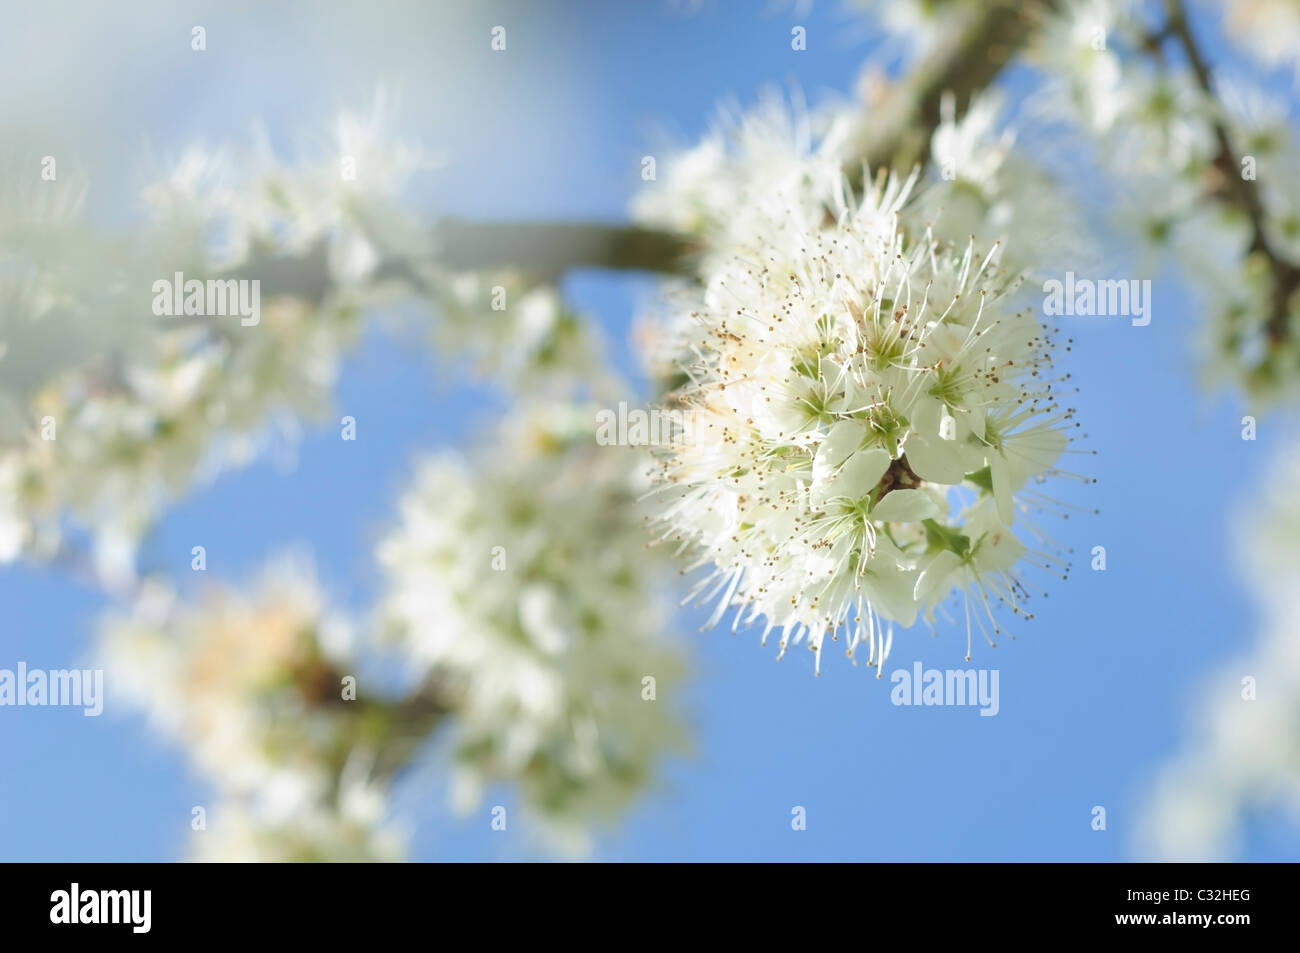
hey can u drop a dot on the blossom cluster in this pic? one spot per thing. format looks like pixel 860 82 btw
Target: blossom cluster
pixel 1204 169
pixel 520 576
pixel 514 331
pixel 869 409
pixel 162 403
pixel 252 686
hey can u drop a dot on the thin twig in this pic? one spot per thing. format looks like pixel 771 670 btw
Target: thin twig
pixel 1237 190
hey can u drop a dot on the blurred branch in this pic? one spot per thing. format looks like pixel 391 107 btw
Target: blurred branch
pixel 555 248
pixel 543 249
pixel 1236 190
pixel 981 40
pixel 393 728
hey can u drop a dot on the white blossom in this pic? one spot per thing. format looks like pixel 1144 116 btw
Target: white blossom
pixel 513 331
pixel 1243 758
pixel 863 402
pixel 1079 44
pixel 297 819
pixel 752 160
pixel 225 676
pixel 1268 29
pixel 523 581
pixel 909 29
pixel 342 191
pixel 983 184
pixel 174 400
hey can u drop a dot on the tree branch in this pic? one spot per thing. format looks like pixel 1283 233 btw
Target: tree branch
pixel 1238 191
pixel 984 37
pixel 551 249
pixel 394 728
pixel 981 40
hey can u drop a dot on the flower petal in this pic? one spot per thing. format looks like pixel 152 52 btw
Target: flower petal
pixel 905 506
pixel 934 459
pixel 857 477
pixel 843 438
pixel 936 577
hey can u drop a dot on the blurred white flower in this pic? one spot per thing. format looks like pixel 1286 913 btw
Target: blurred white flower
pixel 1144 118
pixel 1181 154
pixel 988 187
pixel 514 331
pixel 1268 29
pixel 1243 759
pixel 250 686
pixel 297 822
pixel 67 295
pixel 974 148
pixel 226 677
pixel 14 528
pixel 910 28
pixel 341 191
pixel 196 404
pixel 1077 45
pixel 774 155
pixel 1167 125
pixel 524 581
pixel 163 405
pixel 1257 117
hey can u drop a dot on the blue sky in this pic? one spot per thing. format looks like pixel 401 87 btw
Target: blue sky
pixel 1095 691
